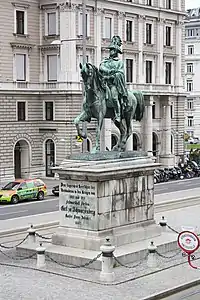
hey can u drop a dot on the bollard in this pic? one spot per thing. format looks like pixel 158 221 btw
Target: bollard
pixel 40 256
pixel 163 223
pixel 107 274
pixel 31 235
pixel 152 259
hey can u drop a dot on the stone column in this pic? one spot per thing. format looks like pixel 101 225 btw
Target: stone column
pixel 166 158
pixel 160 42
pixel 106 135
pixel 167 129
pixel 120 25
pixel 68 48
pixel 178 80
pixel 148 125
pixel 140 77
pixel 98 35
pixel 129 144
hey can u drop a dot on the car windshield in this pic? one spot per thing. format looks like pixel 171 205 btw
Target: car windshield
pixel 11 186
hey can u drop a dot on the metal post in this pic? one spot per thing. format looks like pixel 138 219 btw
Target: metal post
pixel 84 33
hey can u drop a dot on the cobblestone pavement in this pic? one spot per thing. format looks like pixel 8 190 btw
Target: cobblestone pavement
pixel 20 281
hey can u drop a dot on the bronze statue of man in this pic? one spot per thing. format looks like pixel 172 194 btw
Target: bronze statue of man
pixel 112 71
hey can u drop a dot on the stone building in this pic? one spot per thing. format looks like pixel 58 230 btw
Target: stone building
pixel 192 72
pixel 40 88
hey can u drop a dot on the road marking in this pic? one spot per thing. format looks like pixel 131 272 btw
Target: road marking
pixel 29 203
pixel 14 212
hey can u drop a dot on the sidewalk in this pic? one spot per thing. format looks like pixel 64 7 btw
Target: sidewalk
pixel 55 282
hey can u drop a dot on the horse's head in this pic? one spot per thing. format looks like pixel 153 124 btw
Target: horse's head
pixel 87 73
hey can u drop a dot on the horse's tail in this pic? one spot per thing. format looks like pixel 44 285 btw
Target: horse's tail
pixel 139 112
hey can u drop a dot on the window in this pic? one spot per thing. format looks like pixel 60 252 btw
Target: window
pixel 168 36
pixel 20 65
pixel 168 73
pixel 189 85
pixel 51 67
pixel 154 110
pixel 108 28
pixel 190 50
pixel 129 70
pixel 87 25
pixel 190 68
pixel 190 104
pixel 23 186
pixel 51 19
pixel 190 32
pixel 129 31
pixel 172 110
pixel 190 121
pixel 20 22
pixel 149 71
pixel 149 2
pixel 21 111
pixel 49 111
pixel 148 33
pixel 168 4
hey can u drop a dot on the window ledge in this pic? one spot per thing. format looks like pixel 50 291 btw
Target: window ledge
pixel 129 43
pixel 149 45
pixel 79 36
pixel 25 36
pixel 168 47
pixel 51 37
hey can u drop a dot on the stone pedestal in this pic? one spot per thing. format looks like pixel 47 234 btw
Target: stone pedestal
pixel 110 194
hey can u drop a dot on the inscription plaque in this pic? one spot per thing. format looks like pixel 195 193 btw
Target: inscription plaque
pixel 78 204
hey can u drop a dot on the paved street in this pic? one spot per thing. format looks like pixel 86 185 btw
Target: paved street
pixel 177 185
pixel 190 294
pixel 50 204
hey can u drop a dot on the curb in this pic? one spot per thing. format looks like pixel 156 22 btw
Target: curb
pixel 19 230
pixel 173 291
pixel 176 203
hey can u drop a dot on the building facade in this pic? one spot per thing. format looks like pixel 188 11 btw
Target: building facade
pixel 40 84
pixel 192 72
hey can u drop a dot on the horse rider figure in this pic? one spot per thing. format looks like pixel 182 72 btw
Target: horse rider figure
pixel 112 71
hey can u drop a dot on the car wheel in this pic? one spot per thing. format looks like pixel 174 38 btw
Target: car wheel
pixel 40 196
pixel 14 199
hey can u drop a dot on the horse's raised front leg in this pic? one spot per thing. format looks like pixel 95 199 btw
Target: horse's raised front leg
pixel 81 118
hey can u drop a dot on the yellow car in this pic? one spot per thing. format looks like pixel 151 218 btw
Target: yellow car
pixel 22 189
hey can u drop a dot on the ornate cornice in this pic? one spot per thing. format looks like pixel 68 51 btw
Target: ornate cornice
pixel 121 14
pixel 21 4
pixel 65 6
pixel 99 11
pixel 22 46
pixel 45 48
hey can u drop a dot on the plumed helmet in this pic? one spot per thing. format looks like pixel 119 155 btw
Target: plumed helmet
pixel 116 43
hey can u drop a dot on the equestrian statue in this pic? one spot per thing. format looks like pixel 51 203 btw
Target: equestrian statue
pixel 106 96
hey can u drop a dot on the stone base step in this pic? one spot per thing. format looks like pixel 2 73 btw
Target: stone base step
pixel 129 253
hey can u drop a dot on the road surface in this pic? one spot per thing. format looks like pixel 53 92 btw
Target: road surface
pixel 190 294
pixel 50 204
pixel 177 185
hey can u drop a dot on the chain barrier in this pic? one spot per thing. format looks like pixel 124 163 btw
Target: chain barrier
pixel 169 257
pixel 172 229
pixel 130 267
pixel 42 237
pixel 12 247
pixel 75 267
pixel 17 258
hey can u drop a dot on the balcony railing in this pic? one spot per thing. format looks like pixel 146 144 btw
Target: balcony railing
pixel 77 86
